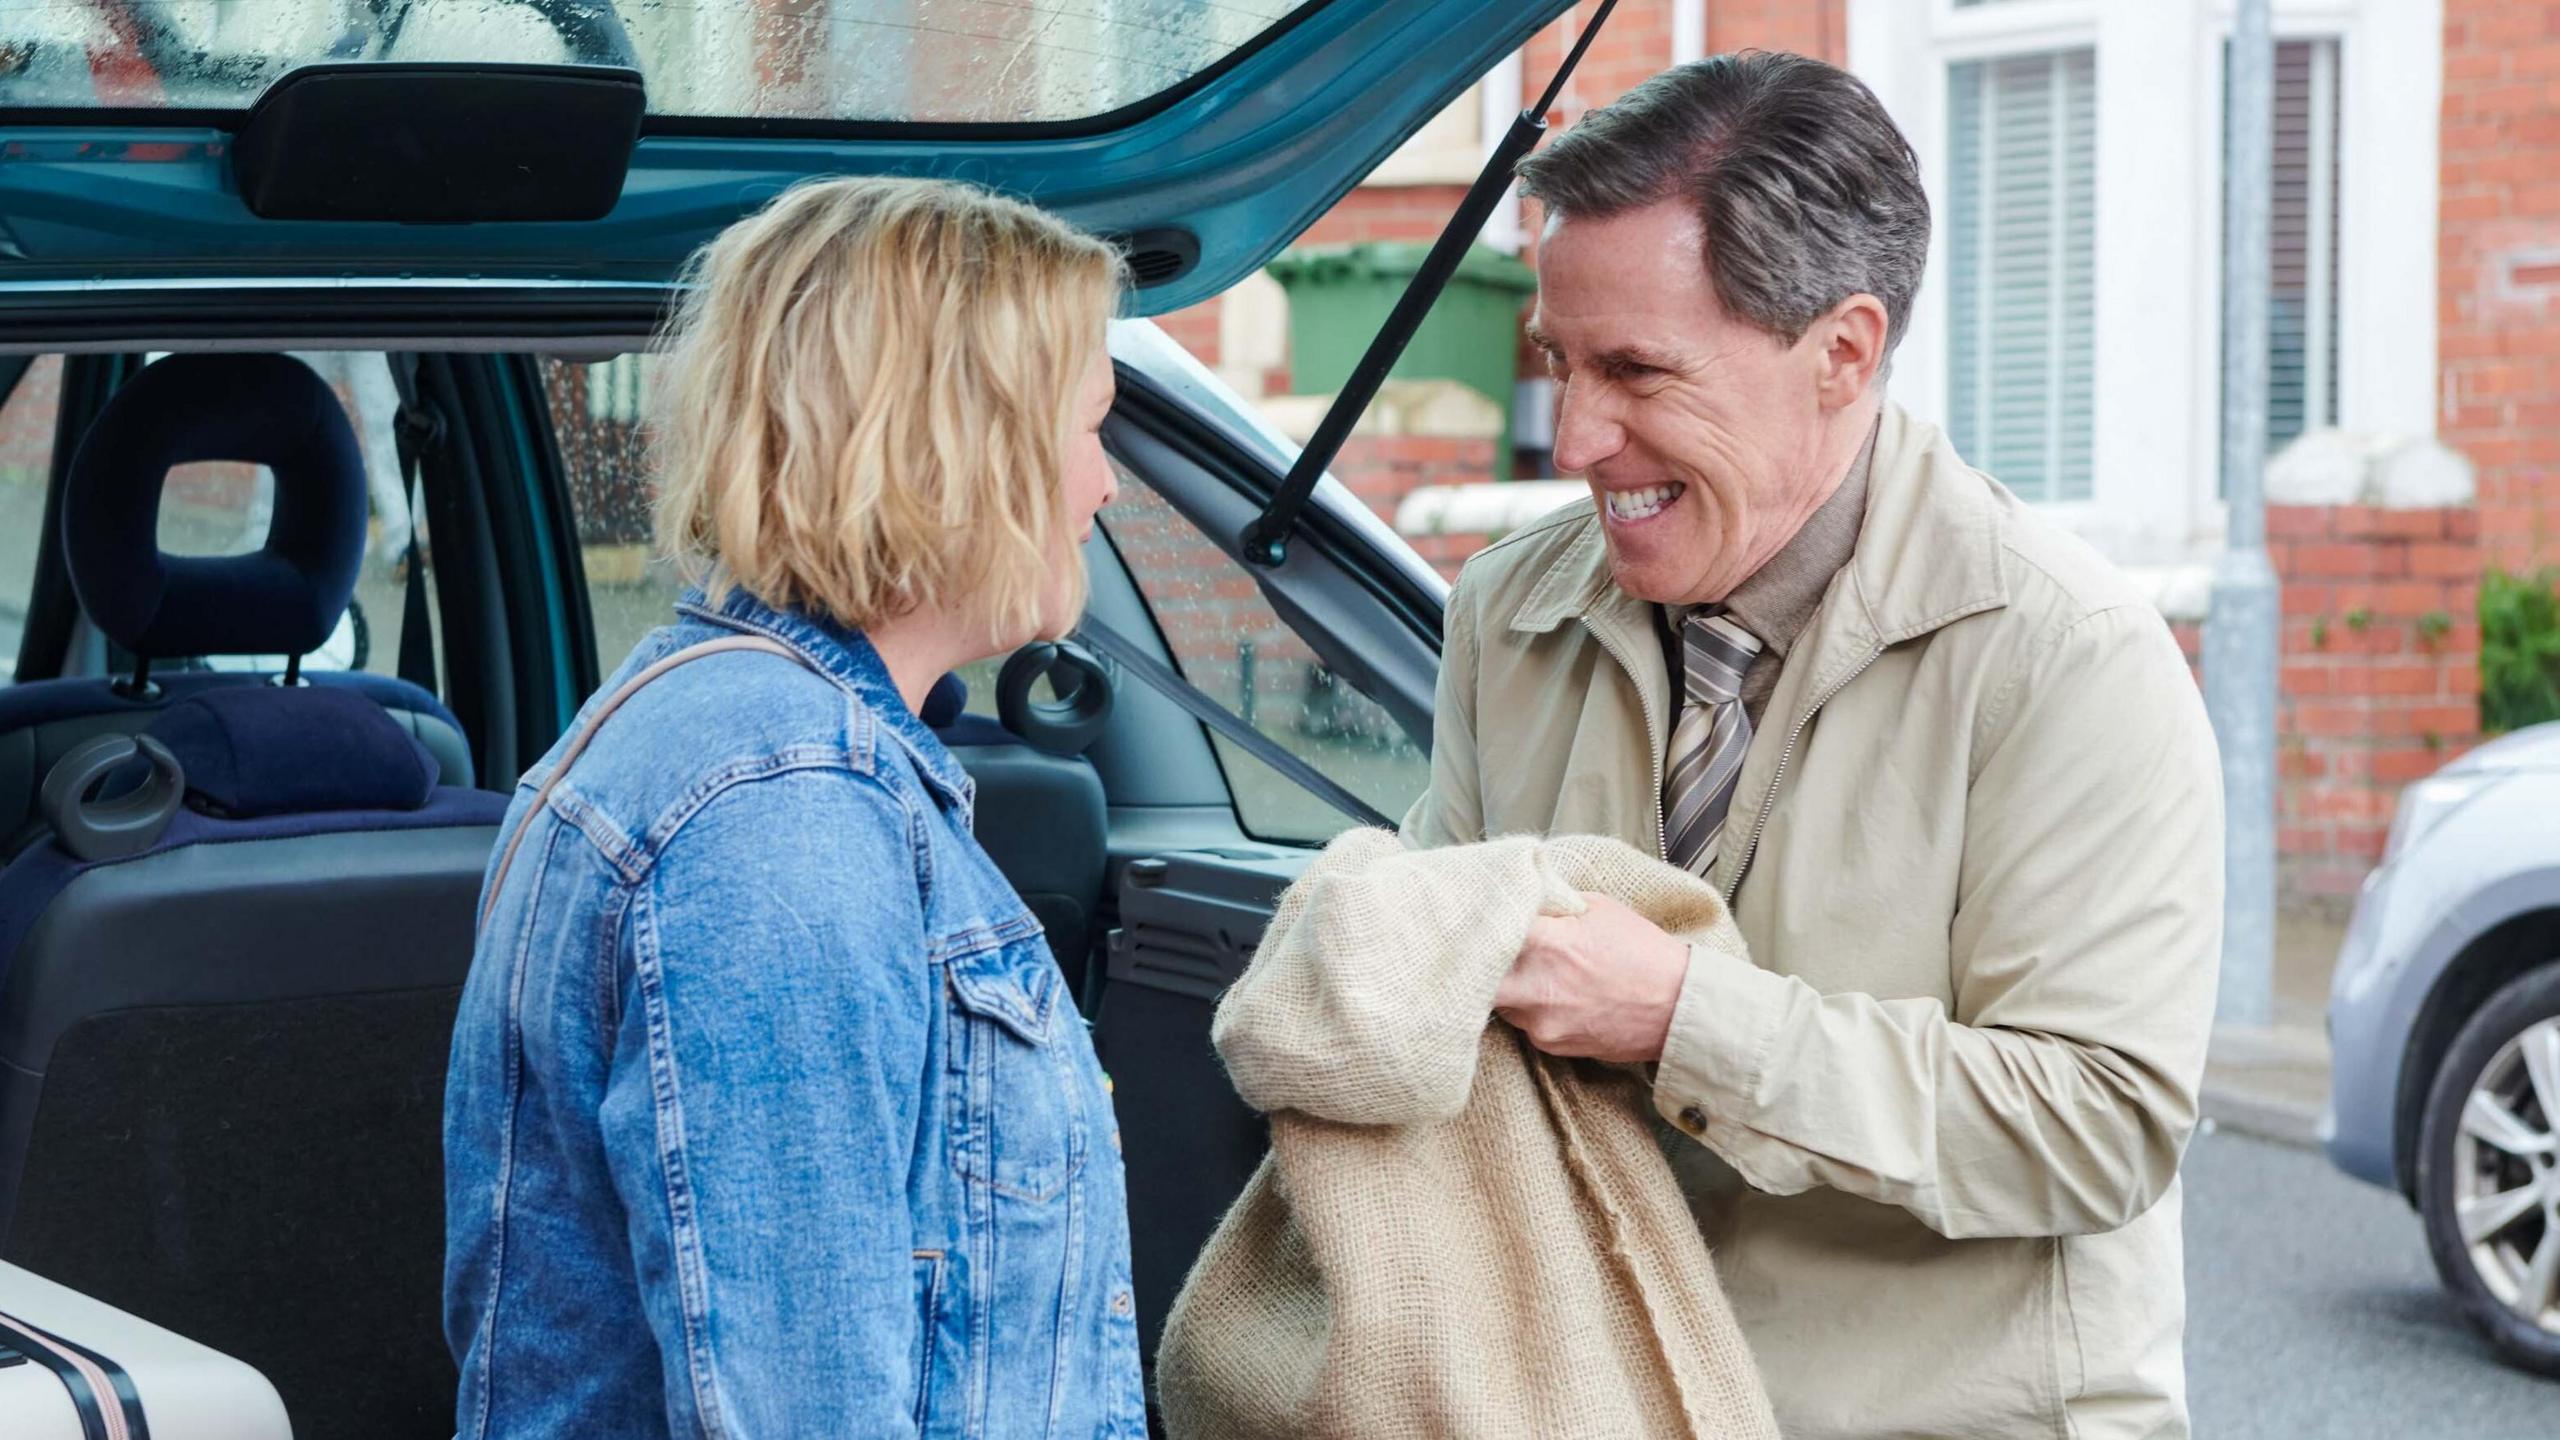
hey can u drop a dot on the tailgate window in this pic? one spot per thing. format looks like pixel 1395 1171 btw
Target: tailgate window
pixel 973 62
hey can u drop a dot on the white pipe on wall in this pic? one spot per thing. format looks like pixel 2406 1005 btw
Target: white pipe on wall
pixel 1500 97
pixel 1688 31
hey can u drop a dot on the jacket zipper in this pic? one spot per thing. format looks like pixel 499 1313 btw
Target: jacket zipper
pixel 1654 741
pixel 1778 776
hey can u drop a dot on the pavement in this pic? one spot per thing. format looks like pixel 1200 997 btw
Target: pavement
pixel 2272 1081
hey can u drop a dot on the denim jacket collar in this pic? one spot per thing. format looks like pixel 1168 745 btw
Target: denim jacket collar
pixel 845 655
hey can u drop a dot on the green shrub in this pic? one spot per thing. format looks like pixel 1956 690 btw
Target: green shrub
pixel 2519 649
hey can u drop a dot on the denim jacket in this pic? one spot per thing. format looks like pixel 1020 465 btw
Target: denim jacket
pixel 769 1113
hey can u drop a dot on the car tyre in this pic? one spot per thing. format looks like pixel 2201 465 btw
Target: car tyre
pixel 2488 1172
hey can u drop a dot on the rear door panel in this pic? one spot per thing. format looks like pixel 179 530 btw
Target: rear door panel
pixel 1189 922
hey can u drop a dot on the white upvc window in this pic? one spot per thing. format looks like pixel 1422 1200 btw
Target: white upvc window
pixel 2302 261
pixel 2103 402
pixel 2302 355
pixel 2021 244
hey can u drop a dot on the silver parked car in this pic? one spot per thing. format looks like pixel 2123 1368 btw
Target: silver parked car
pixel 2444 1023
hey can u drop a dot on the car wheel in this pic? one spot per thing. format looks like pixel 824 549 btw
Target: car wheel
pixel 2489 1170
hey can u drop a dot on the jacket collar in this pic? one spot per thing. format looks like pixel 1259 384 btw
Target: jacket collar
pixel 844 655
pixel 1928 552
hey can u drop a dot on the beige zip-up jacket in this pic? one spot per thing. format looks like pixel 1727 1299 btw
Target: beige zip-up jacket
pixel 1976 854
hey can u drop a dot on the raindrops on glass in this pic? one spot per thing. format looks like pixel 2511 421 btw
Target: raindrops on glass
pixel 916 60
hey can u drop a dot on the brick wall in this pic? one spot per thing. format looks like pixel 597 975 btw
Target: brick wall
pixel 1637 46
pixel 789 35
pixel 1415 213
pixel 1637 43
pixel 2190 637
pixel 1195 329
pixel 2498 268
pixel 1225 636
pixel 1383 469
pixel 1819 28
pixel 2380 682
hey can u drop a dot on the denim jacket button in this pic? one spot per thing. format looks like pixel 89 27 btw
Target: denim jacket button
pixel 1120 1303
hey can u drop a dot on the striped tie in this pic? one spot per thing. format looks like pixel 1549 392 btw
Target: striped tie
pixel 1707 744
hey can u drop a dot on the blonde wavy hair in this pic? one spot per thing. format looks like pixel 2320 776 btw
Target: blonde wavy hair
pixel 866 399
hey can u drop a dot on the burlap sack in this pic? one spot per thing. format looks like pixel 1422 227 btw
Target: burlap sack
pixel 1454 1235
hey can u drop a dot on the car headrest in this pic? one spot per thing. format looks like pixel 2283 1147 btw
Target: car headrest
pixel 282 599
pixel 253 750
pixel 944 702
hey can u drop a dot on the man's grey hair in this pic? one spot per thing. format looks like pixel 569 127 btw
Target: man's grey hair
pixel 1807 192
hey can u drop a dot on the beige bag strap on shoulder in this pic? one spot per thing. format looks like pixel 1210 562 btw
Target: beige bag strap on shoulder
pixel 596 718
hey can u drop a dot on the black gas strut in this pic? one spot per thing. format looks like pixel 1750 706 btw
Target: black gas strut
pixel 1266 540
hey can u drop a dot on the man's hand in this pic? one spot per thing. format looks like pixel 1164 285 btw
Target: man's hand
pixel 1600 984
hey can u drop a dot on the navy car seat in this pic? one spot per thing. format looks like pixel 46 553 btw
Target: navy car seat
pixel 1041 818
pixel 227 992
pixel 282 599
pixel 222 1053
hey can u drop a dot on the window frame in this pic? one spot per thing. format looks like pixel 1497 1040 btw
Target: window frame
pixel 1256 821
pixel 1908 54
pixel 2324 242
pixel 1359 610
pixel 2388 182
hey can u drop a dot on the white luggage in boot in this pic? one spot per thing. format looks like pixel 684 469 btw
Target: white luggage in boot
pixel 74 1369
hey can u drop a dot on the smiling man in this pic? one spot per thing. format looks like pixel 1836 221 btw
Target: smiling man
pixel 1947 764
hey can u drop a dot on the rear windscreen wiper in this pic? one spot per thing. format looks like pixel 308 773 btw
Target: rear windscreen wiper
pixel 591 30
pixel 1266 541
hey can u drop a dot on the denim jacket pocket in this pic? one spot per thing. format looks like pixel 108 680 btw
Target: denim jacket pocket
pixel 1017 1127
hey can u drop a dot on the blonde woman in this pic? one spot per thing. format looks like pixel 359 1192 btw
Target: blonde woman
pixel 770 1114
